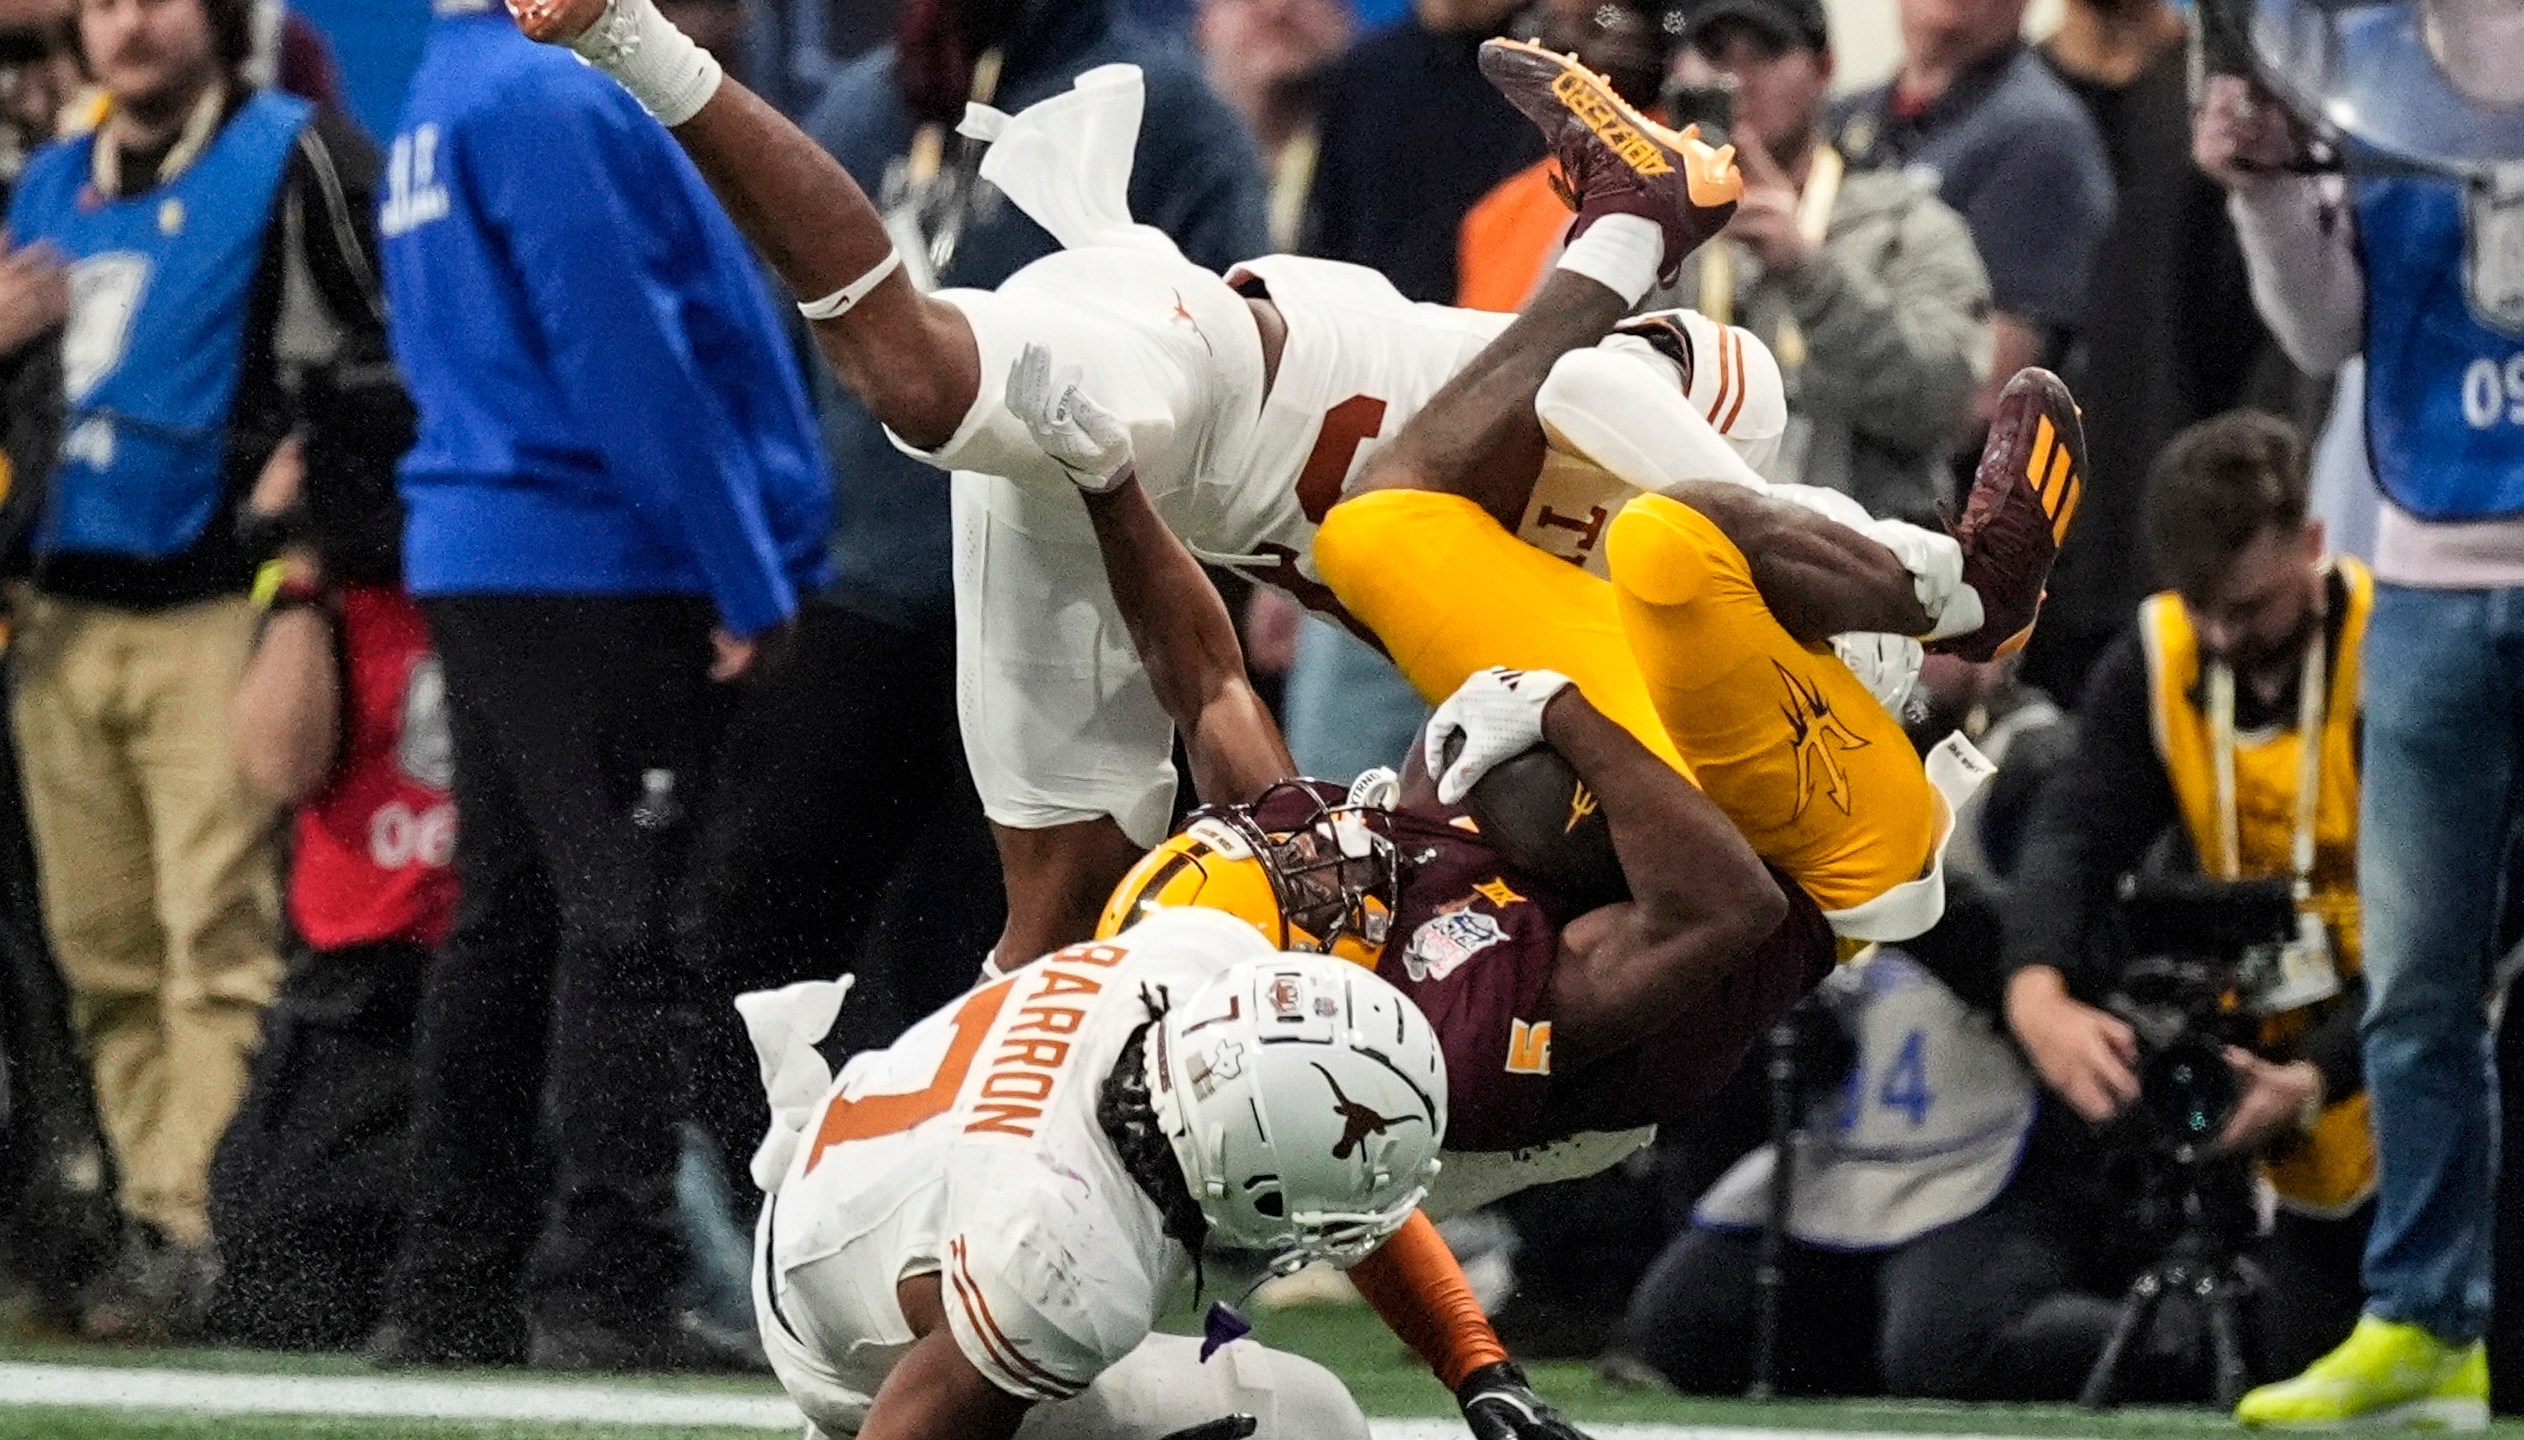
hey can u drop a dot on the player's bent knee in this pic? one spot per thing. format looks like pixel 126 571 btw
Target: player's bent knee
pixel 1350 540
pixel 1658 550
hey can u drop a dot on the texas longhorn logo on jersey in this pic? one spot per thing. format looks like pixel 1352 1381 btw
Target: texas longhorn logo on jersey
pixel 1817 735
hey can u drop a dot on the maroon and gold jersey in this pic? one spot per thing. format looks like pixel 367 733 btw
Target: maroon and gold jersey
pixel 1474 944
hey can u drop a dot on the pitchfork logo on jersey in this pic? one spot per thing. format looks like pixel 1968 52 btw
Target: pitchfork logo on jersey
pixel 1817 735
pixel 1357 1121
pixel 2493 248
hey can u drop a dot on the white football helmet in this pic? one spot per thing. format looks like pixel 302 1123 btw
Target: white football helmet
pixel 1305 1099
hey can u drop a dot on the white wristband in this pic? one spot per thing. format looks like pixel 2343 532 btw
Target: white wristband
pixel 664 70
pixel 839 303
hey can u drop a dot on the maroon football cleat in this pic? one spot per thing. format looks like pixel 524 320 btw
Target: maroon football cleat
pixel 2031 475
pixel 1614 160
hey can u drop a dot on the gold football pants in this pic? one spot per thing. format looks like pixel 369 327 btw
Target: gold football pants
pixel 1678 648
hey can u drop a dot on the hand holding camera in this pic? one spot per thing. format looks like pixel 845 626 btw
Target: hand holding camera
pixel 2276 1101
pixel 2087 1056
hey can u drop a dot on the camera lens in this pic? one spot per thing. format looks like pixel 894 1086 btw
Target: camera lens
pixel 2188 1090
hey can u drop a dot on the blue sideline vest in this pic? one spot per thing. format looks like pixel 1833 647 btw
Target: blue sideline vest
pixel 2444 384
pixel 160 284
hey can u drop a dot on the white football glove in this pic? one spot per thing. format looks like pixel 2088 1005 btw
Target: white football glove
pixel 1082 437
pixel 1936 565
pixel 1888 665
pixel 1498 712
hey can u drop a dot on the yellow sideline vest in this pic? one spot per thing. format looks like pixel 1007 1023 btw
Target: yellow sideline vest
pixel 2333 1170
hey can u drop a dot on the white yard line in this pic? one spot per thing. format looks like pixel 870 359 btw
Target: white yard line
pixel 390 1397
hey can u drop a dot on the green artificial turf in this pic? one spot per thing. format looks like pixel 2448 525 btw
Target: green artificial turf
pixel 1348 1339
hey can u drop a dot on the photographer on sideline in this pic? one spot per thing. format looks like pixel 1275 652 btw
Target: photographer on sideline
pixel 2198 721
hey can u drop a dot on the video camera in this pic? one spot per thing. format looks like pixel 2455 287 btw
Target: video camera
pixel 2208 966
pixel 2206 951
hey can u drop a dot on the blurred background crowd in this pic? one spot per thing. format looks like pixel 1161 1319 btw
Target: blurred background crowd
pixel 387 826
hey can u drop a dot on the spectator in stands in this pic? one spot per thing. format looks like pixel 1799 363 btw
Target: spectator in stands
pixel 846 795
pixel 2228 715
pixel 2419 272
pixel 40 54
pixel 1266 59
pixel 185 360
pixel 616 499
pixel 1412 137
pixel 1863 284
pixel 2012 151
pixel 342 719
pixel 2170 335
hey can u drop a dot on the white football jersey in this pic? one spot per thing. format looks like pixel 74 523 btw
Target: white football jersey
pixel 970 1149
pixel 1361 360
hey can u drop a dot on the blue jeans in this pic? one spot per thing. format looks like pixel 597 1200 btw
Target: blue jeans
pixel 1348 708
pixel 2444 678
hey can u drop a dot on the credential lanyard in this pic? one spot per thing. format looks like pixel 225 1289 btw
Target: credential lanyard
pixel 1814 221
pixel 2312 681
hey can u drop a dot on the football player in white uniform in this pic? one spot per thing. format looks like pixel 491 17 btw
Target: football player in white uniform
pixel 1252 401
pixel 972 1232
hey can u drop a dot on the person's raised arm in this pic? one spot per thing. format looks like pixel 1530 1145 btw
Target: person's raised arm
pixel 1185 637
pixel 1177 622
pixel 2296 231
pixel 911 358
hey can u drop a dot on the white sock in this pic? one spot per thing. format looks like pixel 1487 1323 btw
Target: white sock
pixel 664 70
pixel 1620 252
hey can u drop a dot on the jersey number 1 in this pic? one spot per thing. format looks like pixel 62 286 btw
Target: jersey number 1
pixel 870 1116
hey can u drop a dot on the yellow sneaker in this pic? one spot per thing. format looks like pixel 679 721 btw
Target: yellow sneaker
pixel 2385 1374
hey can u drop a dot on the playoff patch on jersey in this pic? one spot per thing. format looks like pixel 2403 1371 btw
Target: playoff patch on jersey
pixel 1441 945
pixel 2493 248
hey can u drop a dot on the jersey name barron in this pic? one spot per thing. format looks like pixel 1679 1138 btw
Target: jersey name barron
pixel 970 1149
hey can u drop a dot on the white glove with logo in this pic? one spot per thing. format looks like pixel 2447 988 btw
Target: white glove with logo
pixel 1498 715
pixel 1081 436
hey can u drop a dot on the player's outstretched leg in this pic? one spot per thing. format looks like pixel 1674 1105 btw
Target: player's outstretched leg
pixel 1645 198
pixel 911 359
pixel 2024 494
pixel 1821 780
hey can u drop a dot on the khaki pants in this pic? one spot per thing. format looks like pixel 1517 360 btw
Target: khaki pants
pixel 158 874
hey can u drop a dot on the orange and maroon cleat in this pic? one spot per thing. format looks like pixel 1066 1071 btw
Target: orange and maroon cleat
pixel 1614 160
pixel 2024 494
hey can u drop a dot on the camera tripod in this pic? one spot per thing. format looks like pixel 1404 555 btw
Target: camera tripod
pixel 2202 1262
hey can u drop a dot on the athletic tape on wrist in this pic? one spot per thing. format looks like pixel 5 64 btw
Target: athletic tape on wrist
pixel 1620 252
pixel 670 75
pixel 840 302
